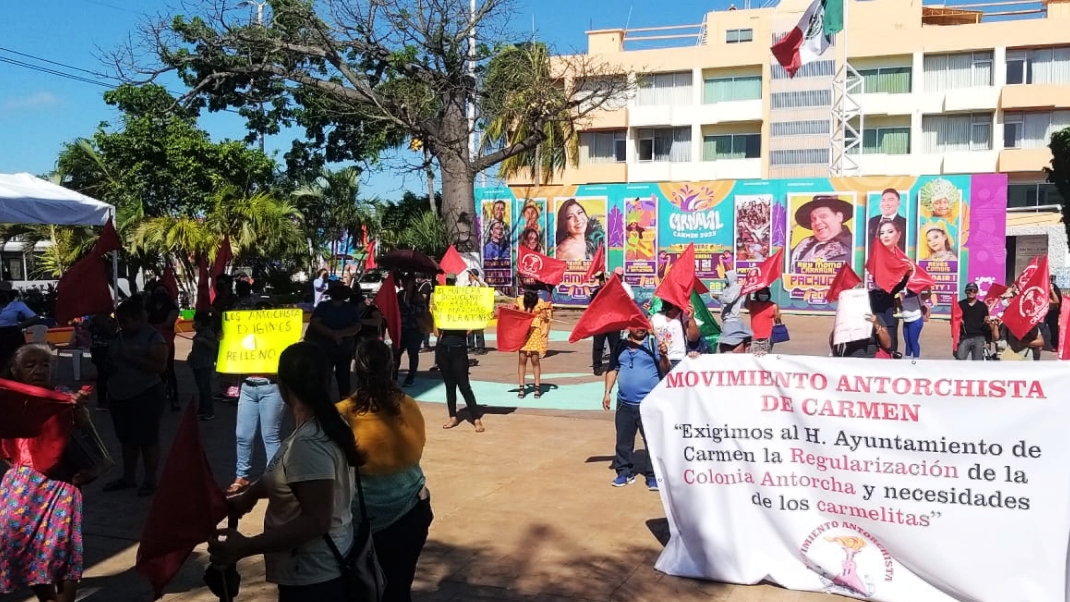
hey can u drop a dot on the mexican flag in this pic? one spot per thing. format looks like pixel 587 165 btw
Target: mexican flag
pixel 708 327
pixel 811 37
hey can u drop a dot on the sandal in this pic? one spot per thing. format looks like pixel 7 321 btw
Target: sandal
pixel 538 393
pixel 238 486
pixel 522 394
pixel 116 485
pixel 146 489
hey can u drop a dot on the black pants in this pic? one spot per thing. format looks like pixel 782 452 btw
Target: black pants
pixel 99 356
pixel 1052 321
pixel 890 322
pixel 317 592
pixel 342 363
pixel 398 548
pixel 410 345
pixel 628 421
pixel 170 378
pixel 453 364
pixel 600 341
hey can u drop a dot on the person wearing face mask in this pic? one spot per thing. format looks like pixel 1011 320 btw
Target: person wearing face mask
pixel 735 335
pixel 764 313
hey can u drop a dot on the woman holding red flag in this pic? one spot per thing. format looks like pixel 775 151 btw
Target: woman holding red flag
pixel 40 503
pixel 538 338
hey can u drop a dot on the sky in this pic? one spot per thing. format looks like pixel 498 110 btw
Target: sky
pixel 39 112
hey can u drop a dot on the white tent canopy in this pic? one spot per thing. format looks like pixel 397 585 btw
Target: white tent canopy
pixel 26 199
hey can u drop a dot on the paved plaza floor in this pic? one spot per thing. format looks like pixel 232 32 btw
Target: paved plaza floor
pixel 523 511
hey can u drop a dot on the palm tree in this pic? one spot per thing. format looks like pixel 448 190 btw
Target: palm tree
pixel 427 234
pixel 516 79
pixel 333 211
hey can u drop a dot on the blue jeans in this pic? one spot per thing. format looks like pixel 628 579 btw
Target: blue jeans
pixel 912 336
pixel 259 405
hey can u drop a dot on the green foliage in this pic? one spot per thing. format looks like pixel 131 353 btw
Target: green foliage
pixel 1059 172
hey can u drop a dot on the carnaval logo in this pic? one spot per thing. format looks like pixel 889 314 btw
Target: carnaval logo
pixel 847 559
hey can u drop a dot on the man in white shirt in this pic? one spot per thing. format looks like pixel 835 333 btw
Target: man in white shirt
pixel 669 325
pixel 619 273
pixel 319 287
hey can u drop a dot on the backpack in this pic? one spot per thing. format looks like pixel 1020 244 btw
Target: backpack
pixel 647 346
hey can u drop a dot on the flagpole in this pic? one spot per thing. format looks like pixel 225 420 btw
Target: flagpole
pixel 845 136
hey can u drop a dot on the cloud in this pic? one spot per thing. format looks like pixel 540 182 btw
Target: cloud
pixel 30 102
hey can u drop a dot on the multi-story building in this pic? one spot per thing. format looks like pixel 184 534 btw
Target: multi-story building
pixel 943 91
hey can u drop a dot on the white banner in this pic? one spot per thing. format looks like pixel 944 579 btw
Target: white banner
pixel 877 479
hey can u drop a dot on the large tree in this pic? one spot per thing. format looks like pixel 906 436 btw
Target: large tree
pixel 1059 172
pixel 362 74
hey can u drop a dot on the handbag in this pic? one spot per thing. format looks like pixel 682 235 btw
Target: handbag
pixel 362 576
pixel 779 334
pixel 426 322
pixel 86 451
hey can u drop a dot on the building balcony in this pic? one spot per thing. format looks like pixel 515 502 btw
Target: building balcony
pixel 694 171
pixel 1034 96
pixel 662 115
pixel 897 165
pixel 969 162
pixel 882 103
pixel 604 120
pixel 1023 159
pixel 984 98
pixel 732 111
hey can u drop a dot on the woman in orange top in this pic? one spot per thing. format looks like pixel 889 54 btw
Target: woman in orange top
pixel 536 344
pixel 40 503
pixel 763 315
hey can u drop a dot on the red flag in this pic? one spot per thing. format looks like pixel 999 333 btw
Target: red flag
pixel 83 291
pixel 994 294
pixel 612 309
pixel 956 323
pixel 676 287
pixel 1030 305
pixel 532 264
pixel 920 280
pixel 186 509
pixel 1027 273
pixel 204 289
pixel 369 261
pixel 108 240
pixel 1064 329
pixel 888 266
pixel 168 280
pixel 452 262
pixel 219 266
pixel 387 302
pixel 598 264
pixel 513 328
pixel 845 280
pixel 26 408
pixel 700 287
pixel 441 279
pixel 764 274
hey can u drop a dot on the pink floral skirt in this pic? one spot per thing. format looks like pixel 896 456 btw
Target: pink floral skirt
pixel 40 530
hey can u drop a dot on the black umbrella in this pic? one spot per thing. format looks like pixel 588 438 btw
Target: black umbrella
pixel 408 260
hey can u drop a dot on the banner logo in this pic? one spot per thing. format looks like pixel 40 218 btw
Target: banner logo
pixel 531 265
pixel 847 559
pixel 1034 302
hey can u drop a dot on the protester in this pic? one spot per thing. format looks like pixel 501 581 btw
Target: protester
pixel 334 327
pixel 451 357
pixel 477 341
pixel 413 309
pixel 975 326
pixel 243 296
pixel 877 345
pixel 102 329
pixel 319 287
pixel 635 366
pixel 619 273
pixel 162 315
pixel 373 327
pixel 136 394
pixel 915 313
pixel 536 344
pixel 425 287
pixel 601 339
pixel 1051 319
pixel 884 307
pixel 1019 349
pixel 669 326
pixel 260 408
pixel 309 486
pixel 390 428
pixel 224 301
pixel 15 317
pixel 764 313
pixel 202 359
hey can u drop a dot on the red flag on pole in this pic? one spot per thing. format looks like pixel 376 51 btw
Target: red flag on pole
pixel 26 408
pixel 513 328
pixel 598 264
pixel 532 264
pixel 612 309
pixel 219 266
pixel 186 509
pixel 1026 274
pixel 765 273
pixel 452 262
pixel 845 280
pixel 700 287
pixel 169 281
pixel 387 302
pixel 108 240
pixel 676 287
pixel 204 288
pixel 1064 328
pixel 369 262
pixel 83 290
pixel 1029 307
pixel 956 323
pixel 920 280
pixel 888 266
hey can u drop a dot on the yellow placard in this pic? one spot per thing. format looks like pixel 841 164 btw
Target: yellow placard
pixel 253 340
pixel 462 307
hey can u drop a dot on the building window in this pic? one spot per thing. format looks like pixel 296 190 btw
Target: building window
pixel 12 266
pixel 956 133
pixel 802 99
pixel 1034 129
pixel 890 80
pixel 885 141
pixel 724 89
pixel 737 36
pixel 814 69
pixel 814 127
pixel 962 70
pixel 1038 66
pixel 664 144
pixel 731 146
pixel 664 89
pixel 800 156
pixel 603 147
pixel 1032 195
